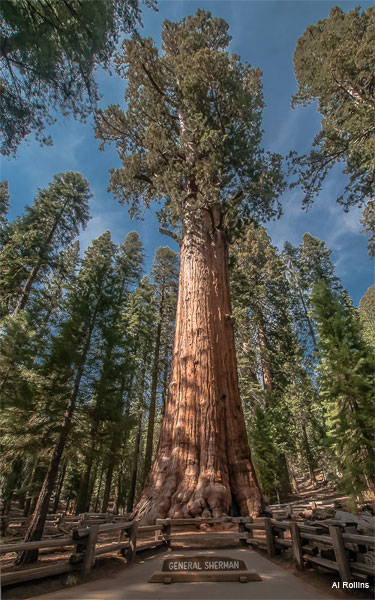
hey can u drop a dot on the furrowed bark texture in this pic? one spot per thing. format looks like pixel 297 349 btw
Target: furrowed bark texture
pixel 203 463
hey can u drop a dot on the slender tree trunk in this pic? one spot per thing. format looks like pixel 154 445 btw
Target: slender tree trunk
pixel 99 489
pixel 94 473
pixel 307 317
pixel 8 485
pixel 203 461
pixel 164 390
pixel 83 492
pixel 36 480
pixel 35 530
pixel 59 488
pixel 308 454
pixel 22 301
pixel 154 386
pixel 293 478
pixel 133 481
pixel 264 359
pixel 283 474
pixel 108 483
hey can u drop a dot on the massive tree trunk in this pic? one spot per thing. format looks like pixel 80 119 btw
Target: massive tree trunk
pixel 203 462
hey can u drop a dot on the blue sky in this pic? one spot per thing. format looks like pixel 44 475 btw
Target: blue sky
pixel 264 33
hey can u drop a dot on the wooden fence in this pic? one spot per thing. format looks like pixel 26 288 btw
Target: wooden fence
pixel 86 544
pixel 294 509
pixel 347 551
pixel 17 525
pixel 308 544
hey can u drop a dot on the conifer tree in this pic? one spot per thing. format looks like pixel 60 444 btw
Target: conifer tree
pixel 31 244
pixel 266 351
pixel 105 411
pixel 346 378
pixel 190 138
pixel 86 309
pixel 366 310
pixel 307 264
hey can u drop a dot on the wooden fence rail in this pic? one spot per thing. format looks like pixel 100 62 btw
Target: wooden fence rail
pixel 304 541
pixel 17 524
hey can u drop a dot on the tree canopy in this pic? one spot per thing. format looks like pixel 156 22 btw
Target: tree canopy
pixel 192 129
pixel 49 52
pixel 334 65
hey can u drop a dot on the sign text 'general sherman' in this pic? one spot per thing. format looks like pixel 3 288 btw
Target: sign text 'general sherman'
pixel 201 563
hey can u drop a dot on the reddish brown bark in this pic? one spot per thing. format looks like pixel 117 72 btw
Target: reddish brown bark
pixel 203 462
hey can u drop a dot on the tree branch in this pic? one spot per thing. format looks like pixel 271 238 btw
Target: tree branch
pixel 171 234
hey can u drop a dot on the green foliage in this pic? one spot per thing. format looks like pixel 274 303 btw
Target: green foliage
pixel 307 264
pixel 346 379
pixel 190 136
pixel 32 243
pixel 49 52
pixel 334 64
pixel 4 206
pixel 269 361
pixel 368 222
pixel 366 309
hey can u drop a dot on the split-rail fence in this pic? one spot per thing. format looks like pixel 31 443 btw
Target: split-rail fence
pixel 347 552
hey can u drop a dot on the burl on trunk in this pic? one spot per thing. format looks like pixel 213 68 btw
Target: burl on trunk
pixel 203 463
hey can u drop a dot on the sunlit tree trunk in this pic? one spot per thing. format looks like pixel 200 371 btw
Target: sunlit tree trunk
pixel 203 462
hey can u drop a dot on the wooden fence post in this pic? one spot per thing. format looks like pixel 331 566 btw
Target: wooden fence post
pixel 296 545
pixel 269 537
pixel 167 528
pixel 340 554
pixel 121 538
pixel 89 556
pixel 130 555
pixel 241 529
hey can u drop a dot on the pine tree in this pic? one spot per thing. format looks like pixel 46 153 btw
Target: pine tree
pixel 346 378
pixel 307 264
pixel 86 309
pixel 190 138
pixel 267 353
pixel 31 244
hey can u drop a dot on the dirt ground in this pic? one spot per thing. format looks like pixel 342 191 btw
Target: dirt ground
pixel 107 567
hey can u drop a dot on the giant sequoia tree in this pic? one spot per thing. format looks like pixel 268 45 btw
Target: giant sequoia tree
pixel 190 138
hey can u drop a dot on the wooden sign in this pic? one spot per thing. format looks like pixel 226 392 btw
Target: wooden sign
pixel 203 563
pixel 203 568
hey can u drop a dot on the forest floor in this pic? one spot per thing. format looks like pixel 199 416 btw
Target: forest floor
pixel 326 492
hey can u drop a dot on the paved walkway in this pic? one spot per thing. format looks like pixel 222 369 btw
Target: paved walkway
pixel 131 583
